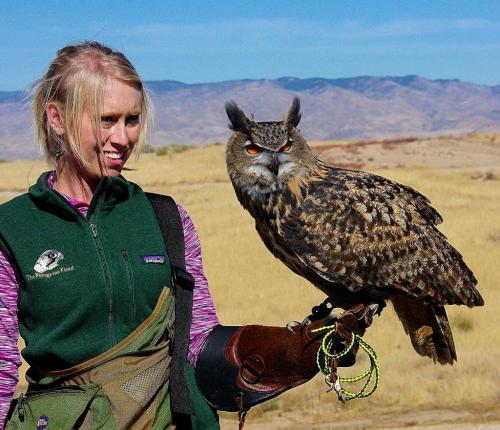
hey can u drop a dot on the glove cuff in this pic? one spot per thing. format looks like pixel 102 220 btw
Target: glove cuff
pixel 226 383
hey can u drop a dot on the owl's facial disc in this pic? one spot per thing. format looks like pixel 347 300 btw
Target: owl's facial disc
pixel 268 166
pixel 260 161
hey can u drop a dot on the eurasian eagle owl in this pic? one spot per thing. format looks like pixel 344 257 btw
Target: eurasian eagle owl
pixel 358 237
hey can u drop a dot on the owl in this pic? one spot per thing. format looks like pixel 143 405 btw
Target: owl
pixel 358 237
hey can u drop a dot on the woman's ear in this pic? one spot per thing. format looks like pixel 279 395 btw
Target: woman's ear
pixel 55 118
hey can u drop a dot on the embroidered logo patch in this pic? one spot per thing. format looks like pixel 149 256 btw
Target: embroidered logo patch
pixel 48 260
pixel 42 422
pixel 154 259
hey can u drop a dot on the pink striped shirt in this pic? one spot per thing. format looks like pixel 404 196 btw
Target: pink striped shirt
pixel 204 315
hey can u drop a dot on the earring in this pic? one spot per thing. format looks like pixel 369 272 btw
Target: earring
pixel 58 149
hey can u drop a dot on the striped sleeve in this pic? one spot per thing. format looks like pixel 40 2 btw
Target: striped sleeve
pixel 9 334
pixel 204 315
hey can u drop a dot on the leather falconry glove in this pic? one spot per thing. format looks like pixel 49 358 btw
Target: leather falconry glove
pixel 240 367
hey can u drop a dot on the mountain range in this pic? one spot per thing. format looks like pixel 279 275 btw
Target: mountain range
pixel 348 108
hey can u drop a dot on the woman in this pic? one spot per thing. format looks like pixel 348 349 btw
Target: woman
pixel 84 258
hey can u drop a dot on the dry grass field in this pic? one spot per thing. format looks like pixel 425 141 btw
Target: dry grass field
pixel 249 286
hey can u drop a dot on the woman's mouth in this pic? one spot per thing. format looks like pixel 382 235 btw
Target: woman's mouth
pixel 114 155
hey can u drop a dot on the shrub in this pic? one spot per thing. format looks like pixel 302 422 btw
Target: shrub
pixel 173 148
pixel 462 322
pixel 148 149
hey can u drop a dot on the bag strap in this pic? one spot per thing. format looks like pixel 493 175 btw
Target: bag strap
pixel 173 233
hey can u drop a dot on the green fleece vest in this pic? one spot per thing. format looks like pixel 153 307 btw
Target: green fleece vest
pixel 86 283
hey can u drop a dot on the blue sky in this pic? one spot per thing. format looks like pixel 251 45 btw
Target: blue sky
pixel 207 41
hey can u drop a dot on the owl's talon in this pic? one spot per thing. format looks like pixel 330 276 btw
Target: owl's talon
pixel 375 309
pixel 336 313
pixel 291 324
pixel 306 321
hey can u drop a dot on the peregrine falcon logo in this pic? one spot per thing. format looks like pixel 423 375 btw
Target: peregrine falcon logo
pixel 48 260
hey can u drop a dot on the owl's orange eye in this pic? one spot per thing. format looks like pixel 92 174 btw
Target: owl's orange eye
pixel 286 147
pixel 253 149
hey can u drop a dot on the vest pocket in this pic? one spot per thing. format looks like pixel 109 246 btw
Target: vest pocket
pixel 59 408
pixel 131 283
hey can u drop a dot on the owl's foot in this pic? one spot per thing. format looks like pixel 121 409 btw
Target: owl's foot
pixel 353 320
pixel 318 312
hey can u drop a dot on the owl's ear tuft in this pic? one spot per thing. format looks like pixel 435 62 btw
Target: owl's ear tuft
pixel 292 117
pixel 238 120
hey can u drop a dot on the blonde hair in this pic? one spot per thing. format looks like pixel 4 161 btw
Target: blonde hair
pixel 75 81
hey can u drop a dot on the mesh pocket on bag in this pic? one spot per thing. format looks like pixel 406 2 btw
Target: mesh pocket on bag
pixel 143 386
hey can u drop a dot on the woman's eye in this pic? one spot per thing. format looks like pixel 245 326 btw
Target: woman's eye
pixel 253 149
pixel 107 120
pixel 286 147
pixel 132 119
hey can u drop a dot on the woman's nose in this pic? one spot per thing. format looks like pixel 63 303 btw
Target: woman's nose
pixel 119 135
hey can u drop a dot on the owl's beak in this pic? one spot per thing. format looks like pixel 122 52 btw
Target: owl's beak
pixel 275 164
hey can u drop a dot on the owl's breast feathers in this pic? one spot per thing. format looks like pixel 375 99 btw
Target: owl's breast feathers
pixel 362 231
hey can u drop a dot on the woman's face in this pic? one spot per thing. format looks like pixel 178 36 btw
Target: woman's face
pixel 120 128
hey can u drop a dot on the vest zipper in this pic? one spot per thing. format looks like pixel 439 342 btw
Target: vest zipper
pixel 131 282
pixel 107 280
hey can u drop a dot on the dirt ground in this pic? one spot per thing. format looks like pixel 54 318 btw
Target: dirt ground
pixel 470 151
pixel 414 420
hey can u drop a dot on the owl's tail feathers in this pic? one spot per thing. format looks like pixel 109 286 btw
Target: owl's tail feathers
pixel 428 328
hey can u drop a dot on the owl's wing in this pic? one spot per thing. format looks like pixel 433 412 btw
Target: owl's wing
pixel 359 230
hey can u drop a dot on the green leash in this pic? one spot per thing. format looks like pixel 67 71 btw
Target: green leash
pixel 326 361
